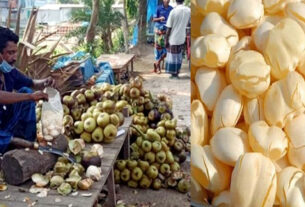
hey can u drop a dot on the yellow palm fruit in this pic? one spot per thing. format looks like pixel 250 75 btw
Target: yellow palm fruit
pixel 261 33
pixel 213 23
pixel 222 200
pixel 199 124
pixel 212 50
pixel 271 141
pixel 283 50
pixel 290 187
pixel 228 109
pixel 284 99
pixel 198 194
pixel 253 110
pixel 249 73
pixel 213 175
pixel 228 144
pixel 210 83
pixel 219 6
pixel 296 11
pixel 276 6
pixel 244 14
pixel 253 182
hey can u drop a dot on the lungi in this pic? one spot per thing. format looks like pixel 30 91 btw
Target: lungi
pixel 18 120
pixel 174 59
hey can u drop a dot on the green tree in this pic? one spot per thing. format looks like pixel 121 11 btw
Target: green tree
pixel 132 7
pixel 108 21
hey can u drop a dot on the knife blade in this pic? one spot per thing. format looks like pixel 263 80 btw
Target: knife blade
pixel 57 152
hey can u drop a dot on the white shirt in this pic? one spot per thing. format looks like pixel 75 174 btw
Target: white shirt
pixel 178 20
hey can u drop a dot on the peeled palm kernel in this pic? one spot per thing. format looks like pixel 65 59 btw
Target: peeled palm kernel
pixel 281 163
pixel 296 11
pixel 211 50
pixel 196 19
pixel 289 48
pixel 228 109
pixel 219 6
pixel 296 156
pixel 213 23
pixel 275 6
pixel 208 171
pixel 244 14
pixel 253 182
pixel 245 43
pixel 249 73
pixel 210 83
pixel 199 127
pixel 198 193
pixel 261 33
pixel 194 91
pixel 271 141
pixel 290 189
pixel 295 130
pixel 228 144
pixel 279 142
pixel 253 110
pixel 222 200
pixel 284 99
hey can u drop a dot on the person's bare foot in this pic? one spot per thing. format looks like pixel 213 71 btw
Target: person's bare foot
pixel 155 68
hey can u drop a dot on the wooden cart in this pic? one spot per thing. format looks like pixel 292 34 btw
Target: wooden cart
pixel 15 196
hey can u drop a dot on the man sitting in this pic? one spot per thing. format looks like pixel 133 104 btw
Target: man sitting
pixel 17 99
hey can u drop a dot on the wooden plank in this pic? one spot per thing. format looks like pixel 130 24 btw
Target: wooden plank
pixel 111 189
pixel 127 122
pixel 117 61
pixel 111 152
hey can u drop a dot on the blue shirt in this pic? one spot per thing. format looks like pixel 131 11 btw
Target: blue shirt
pixel 162 12
pixel 14 80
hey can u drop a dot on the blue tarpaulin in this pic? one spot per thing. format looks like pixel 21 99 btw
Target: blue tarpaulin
pixel 152 6
pixel 88 69
pixel 107 76
pixel 65 60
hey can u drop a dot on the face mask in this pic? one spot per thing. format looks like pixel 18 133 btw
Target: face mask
pixel 5 67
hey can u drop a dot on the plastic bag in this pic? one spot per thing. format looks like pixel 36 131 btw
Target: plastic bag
pixel 52 115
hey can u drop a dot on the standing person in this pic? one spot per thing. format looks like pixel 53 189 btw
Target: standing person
pixel 160 19
pixel 176 25
pixel 17 99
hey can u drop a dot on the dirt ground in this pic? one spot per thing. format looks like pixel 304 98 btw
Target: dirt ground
pixel 179 91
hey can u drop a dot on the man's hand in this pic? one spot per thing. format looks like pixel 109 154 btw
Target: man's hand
pixel 162 18
pixel 39 95
pixel 49 82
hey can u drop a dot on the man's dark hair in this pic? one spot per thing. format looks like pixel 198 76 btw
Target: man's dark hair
pixel 7 35
pixel 180 1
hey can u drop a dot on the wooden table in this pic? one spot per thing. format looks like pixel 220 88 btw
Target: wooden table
pixel 119 63
pixel 111 152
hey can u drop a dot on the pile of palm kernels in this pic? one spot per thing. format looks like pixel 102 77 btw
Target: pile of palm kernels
pixel 248 103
